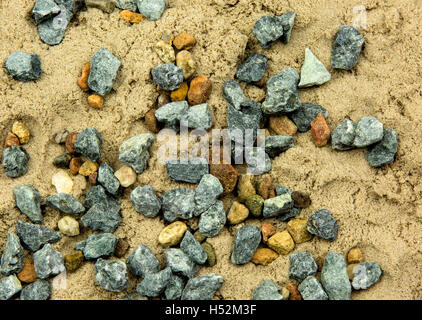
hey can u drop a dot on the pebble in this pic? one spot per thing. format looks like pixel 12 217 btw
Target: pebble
pixel 246 242
pixel 213 220
pixel 104 66
pixel 264 256
pixel 281 242
pixel 104 5
pixel 199 90
pixel 184 60
pixel 369 130
pixel 180 94
pixel 294 292
pixel 12 259
pixel 313 72
pixel 211 256
pixel 102 216
pixel 44 9
pixel 145 201
pixel 249 117
pixel 282 125
pixel 131 16
pixel 35 236
pixel 275 145
pixel 11 140
pixel 354 256
pixel 184 41
pixel 165 51
pixel 62 181
pixel 73 261
pixel 62 161
pixel 151 121
pixel 87 168
pixel 203 287
pixel 311 289
pixel 346 48
pixel 302 265
pixel 238 213
pixel 366 275
pixel 68 226
pixel 233 93
pixel 24 66
pixel 174 288
pixel 276 206
pixel 70 142
pixel 171 113
pixel 122 247
pixel 92 178
pixel 199 237
pixel 154 284
pixel 83 80
pixel 180 263
pixel 98 245
pixel 96 101
pixel 193 249
pixel 266 188
pixel 226 174
pixel 206 194
pixel 163 99
pixel 253 69
pixel 255 203
pixel 89 143
pixel 48 262
pixel 320 131
pixel 9 286
pixel 111 275
pixel 15 161
pixel 287 20
pixel 134 151
pixel 298 231
pixel 282 93
pixel 65 203
pixel 107 179
pixel 257 164
pixel 152 9
pixel 334 277
pixel 323 225
pixel 126 176
pixel 27 274
pixel 344 135
pixel 98 195
pixel 285 293
pixel 172 234
pixel 28 201
pixel 39 290
pixel 267 29
pixel 126 5
pixel 142 262
pixel 305 114
pixel 301 199
pixel 178 204
pixel 245 187
pixel 198 117
pixel 267 230
pixel 168 76
pixel 383 152
pixel 21 131
pixel 267 290
pixel 190 172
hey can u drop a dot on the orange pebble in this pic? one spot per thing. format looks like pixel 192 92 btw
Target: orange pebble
pixel 320 131
pixel 131 17
pixel 83 80
pixel 180 94
pixel 282 126
pixel 28 274
pixel 96 101
pixel 75 165
pixel 184 41
pixel 11 140
pixel 200 90
pixel 267 231
pixel 294 292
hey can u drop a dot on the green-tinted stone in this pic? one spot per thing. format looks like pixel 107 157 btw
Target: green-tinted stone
pixel 209 250
pixel 104 66
pixel 199 237
pixel 62 161
pixel 73 261
pixel 255 203
pixel 28 200
pixel 347 47
pixel 313 71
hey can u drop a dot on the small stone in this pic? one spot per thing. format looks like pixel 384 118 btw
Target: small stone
pixel 180 263
pixel 294 292
pixel 192 248
pixel 267 230
pixel 172 234
pixel 282 126
pixel 15 161
pixel 62 161
pixel 257 160
pixel 44 9
pixel 354 256
pixel 305 114
pixel 104 5
pixel 122 247
pixel 60 137
pixel 68 226
pixel 233 93
pixel 102 216
pixel 76 164
pixel 165 51
pixel 39 290
pixel 206 194
pixel 266 188
pixel 89 143
pixel 27 274
pixel 35 236
pixel 184 60
pixel 184 41
pixel 245 187
pixel 198 117
pixel 65 203
pixel 203 287
pixel 281 242
pixel 126 5
pixel 163 99
pixel 211 256
pixel 98 245
pixel 180 94
pixel 88 168
pixel 383 152
pixel 245 244
pixel 298 231
pixel 11 140
pixel 187 170
pixel 199 90
pixel 227 174
pixel 267 290
pixel 302 265
pixel 126 176
pixel 178 204
pixel 9 286
pixel 83 80
pixel 238 213
pixel 142 262
pixel 174 288
pixel 276 206
pixel 21 131
pixel 323 225
pixel 73 261
pixel 344 135
pixel 366 275
pixel 285 293
pixel 70 142
pixel 107 179
pixel 213 220
pixel 293 212
pixel 282 93
pixel 111 275
pixel 168 76
pixel 267 29
pixel 301 199
pixel 171 113
pixel 152 9
pixel 96 101
pixel 275 145
pixel 131 16
pixel 48 262
pixel 145 201
pixel 249 117
pixel 151 121
pixel 311 289
pixel 62 181
pixel 320 130
pixel 24 66
pixel 264 256
pixel 134 152
pixel 287 20
pixel 92 178
pixel 154 284
pixel 104 66
pixel 255 204
pixel 12 259
pixel 28 201
pixel 346 48
pixel 334 277
pixel 313 72
pixel 199 237
pixel 253 69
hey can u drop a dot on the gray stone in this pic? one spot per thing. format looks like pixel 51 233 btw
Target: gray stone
pixel 369 130
pixel 12 259
pixel 257 160
pixel 274 145
pixel 293 212
pixel 168 76
pixel 323 224
pixel 267 29
pixel 111 275
pixel 384 151
pixel 98 245
pixel 346 48
pixel 107 178
pixel 96 195
pixel 302 265
pixel 334 277
pixel 28 200
pixel 102 216
pixel 89 143
pixel 213 220
pixel 278 205
pixel 180 263
pixel 142 262
pixel 62 161
pixel 253 69
pixel 193 249
pixel 311 289
pixel 246 242
pixel 242 122
pixel 187 170
pixel 133 296
pixel 366 275
pixel 267 290
pixel 280 190
pixel 287 20
pixel 134 151
pixel 154 284
pixel 126 5
pixel 305 114
pixel 171 113
pixel 207 193
pixel 233 93
pixel 38 290
pixel 66 203
pixel 145 201
pixel 35 236
pixel 104 67
pixel 24 66
pixel 152 9
pixel 174 288
pixel 48 262
pixel 44 9
pixel 343 136
pixel 104 5
pixel 282 93
pixel 197 117
pixel 313 72
pixel 203 287
pixel 9 286
pixel 15 161
pixel 178 204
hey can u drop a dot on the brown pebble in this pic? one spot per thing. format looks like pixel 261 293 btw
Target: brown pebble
pixel 354 256
pixel 96 101
pixel 11 140
pixel 28 273
pixel 75 165
pixel 266 188
pixel 294 292
pixel 121 248
pixel 199 236
pixel 199 90
pixel 93 178
pixel 301 199
pixel 184 41
pixel 264 256
pixel 163 99
pixel 88 167
pixel 132 17
pixel 151 121
pixel 282 126
pixel 267 231
pixel 227 175
pixel 70 142
pixel 320 130
pixel 83 80
pixel 73 261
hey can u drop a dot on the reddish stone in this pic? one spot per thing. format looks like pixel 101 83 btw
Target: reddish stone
pixel 11 140
pixel 70 142
pixel 266 187
pixel 294 292
pixel 267 230
pixel 28 274
pixel 75 165
pixel 199 90
pixel 151 121
pixel 320 130
pixel 227 175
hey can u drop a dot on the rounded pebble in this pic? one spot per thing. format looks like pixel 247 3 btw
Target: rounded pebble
pixel 172 234
pixel 68 226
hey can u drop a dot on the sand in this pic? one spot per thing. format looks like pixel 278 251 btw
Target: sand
pixel 379 210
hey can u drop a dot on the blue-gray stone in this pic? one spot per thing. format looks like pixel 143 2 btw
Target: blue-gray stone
pixel 38 290
pixel 187 170
pixel 311 289
pixel 145 201
pixel 12 259
pixel 35 236
pixel 323 225
pixel 98 245
pixel 242 122
pixel 111 275
pixel 305 114
pixel 9 286
pixel 347 47
pixel 102 216
pixel 107 178
pixel 15 161
pixel 274 145
pixel 233 93
pixel 180 263
pixel 207 193
pixel 343 136
pixel 168 76
pixel 267 290
pixel 174 288
pixel 253 69
pixel 267 29
pixel 142 262
pixel 366 275
pixel 66 203
pixel 246 242
pixel 293 212
pixel 171 113
pixel 133 296
pixel 154 284
pixel 277 206
pixel 134 151
pixel 89 143
pixel 213 220
pixel 152 9
pixel 287 20
pixel 334 277
pixel 280 190
pixel 193 249
pixel 127 5
pixel 384 151
pixel 104 66
pixel 44 9
pixel 48 262
pixel 369 130
pixel 197 117
pixel 24 66
pixel 302 265
pixel 203 287
pixel 258 160
pixel 97 194
pixel 28 200
pixel 178 204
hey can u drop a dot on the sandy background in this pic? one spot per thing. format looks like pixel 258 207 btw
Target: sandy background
pixel 379 210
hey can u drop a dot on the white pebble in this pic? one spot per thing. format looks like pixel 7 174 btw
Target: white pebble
pixel 63 182
pixel 69 226
pixel 126 175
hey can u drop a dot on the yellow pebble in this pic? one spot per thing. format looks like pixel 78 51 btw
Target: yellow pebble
pixel 132 17
pixel 172 234
pixel 21 131
pixel 281 242
pixel 88 167
pixel 354 256
pixel 264 256
pixel 180 94
pixel 298 231
pixel 238 213
pixel 165 52
pixel 96 101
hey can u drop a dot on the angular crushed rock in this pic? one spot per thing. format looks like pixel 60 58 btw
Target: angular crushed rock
pixel 187 170
pixel 323 225
pixel 193 249
pixel 107 178
pixel 142 262
pixel 287 20
pixel 154 284
pixel 9 286
pixel 311 289
pixel 256 163
pixel 44 9
pixel 174 288
pixel 267 290
pixel 278 205
pixel 98 245
pixel 168 76
pixel 343 136
pixel 366 275
pixel 127 5
pixel 212 220
pixel 28 200
pixel 12 259
pixel 15 161
pixel 24 66
pixel 233 93
pixel 180 263
pixel 35 236
pixel 313 71
pixel 134 151
pixel 152 9
pixel 89 143
pixel 178 204
pixel 197 117
pixel 302 265
pixel 111 275
pixel 65 203
pixel 246 242
pixel 48 262
pixel 248 118
pixel 253 69
pixel 268 29
pixel 102 216
pixel 334 277
pixel 293 212
pixel 369 130
pixel 38 290
pixel 275 145
pixel 207 193
pixel 145 201
pixel 384 151
pixel 97 194
pixel 171 113
pixel 347 47
pixel 104 66
pixel 305 114
pixel 203 287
